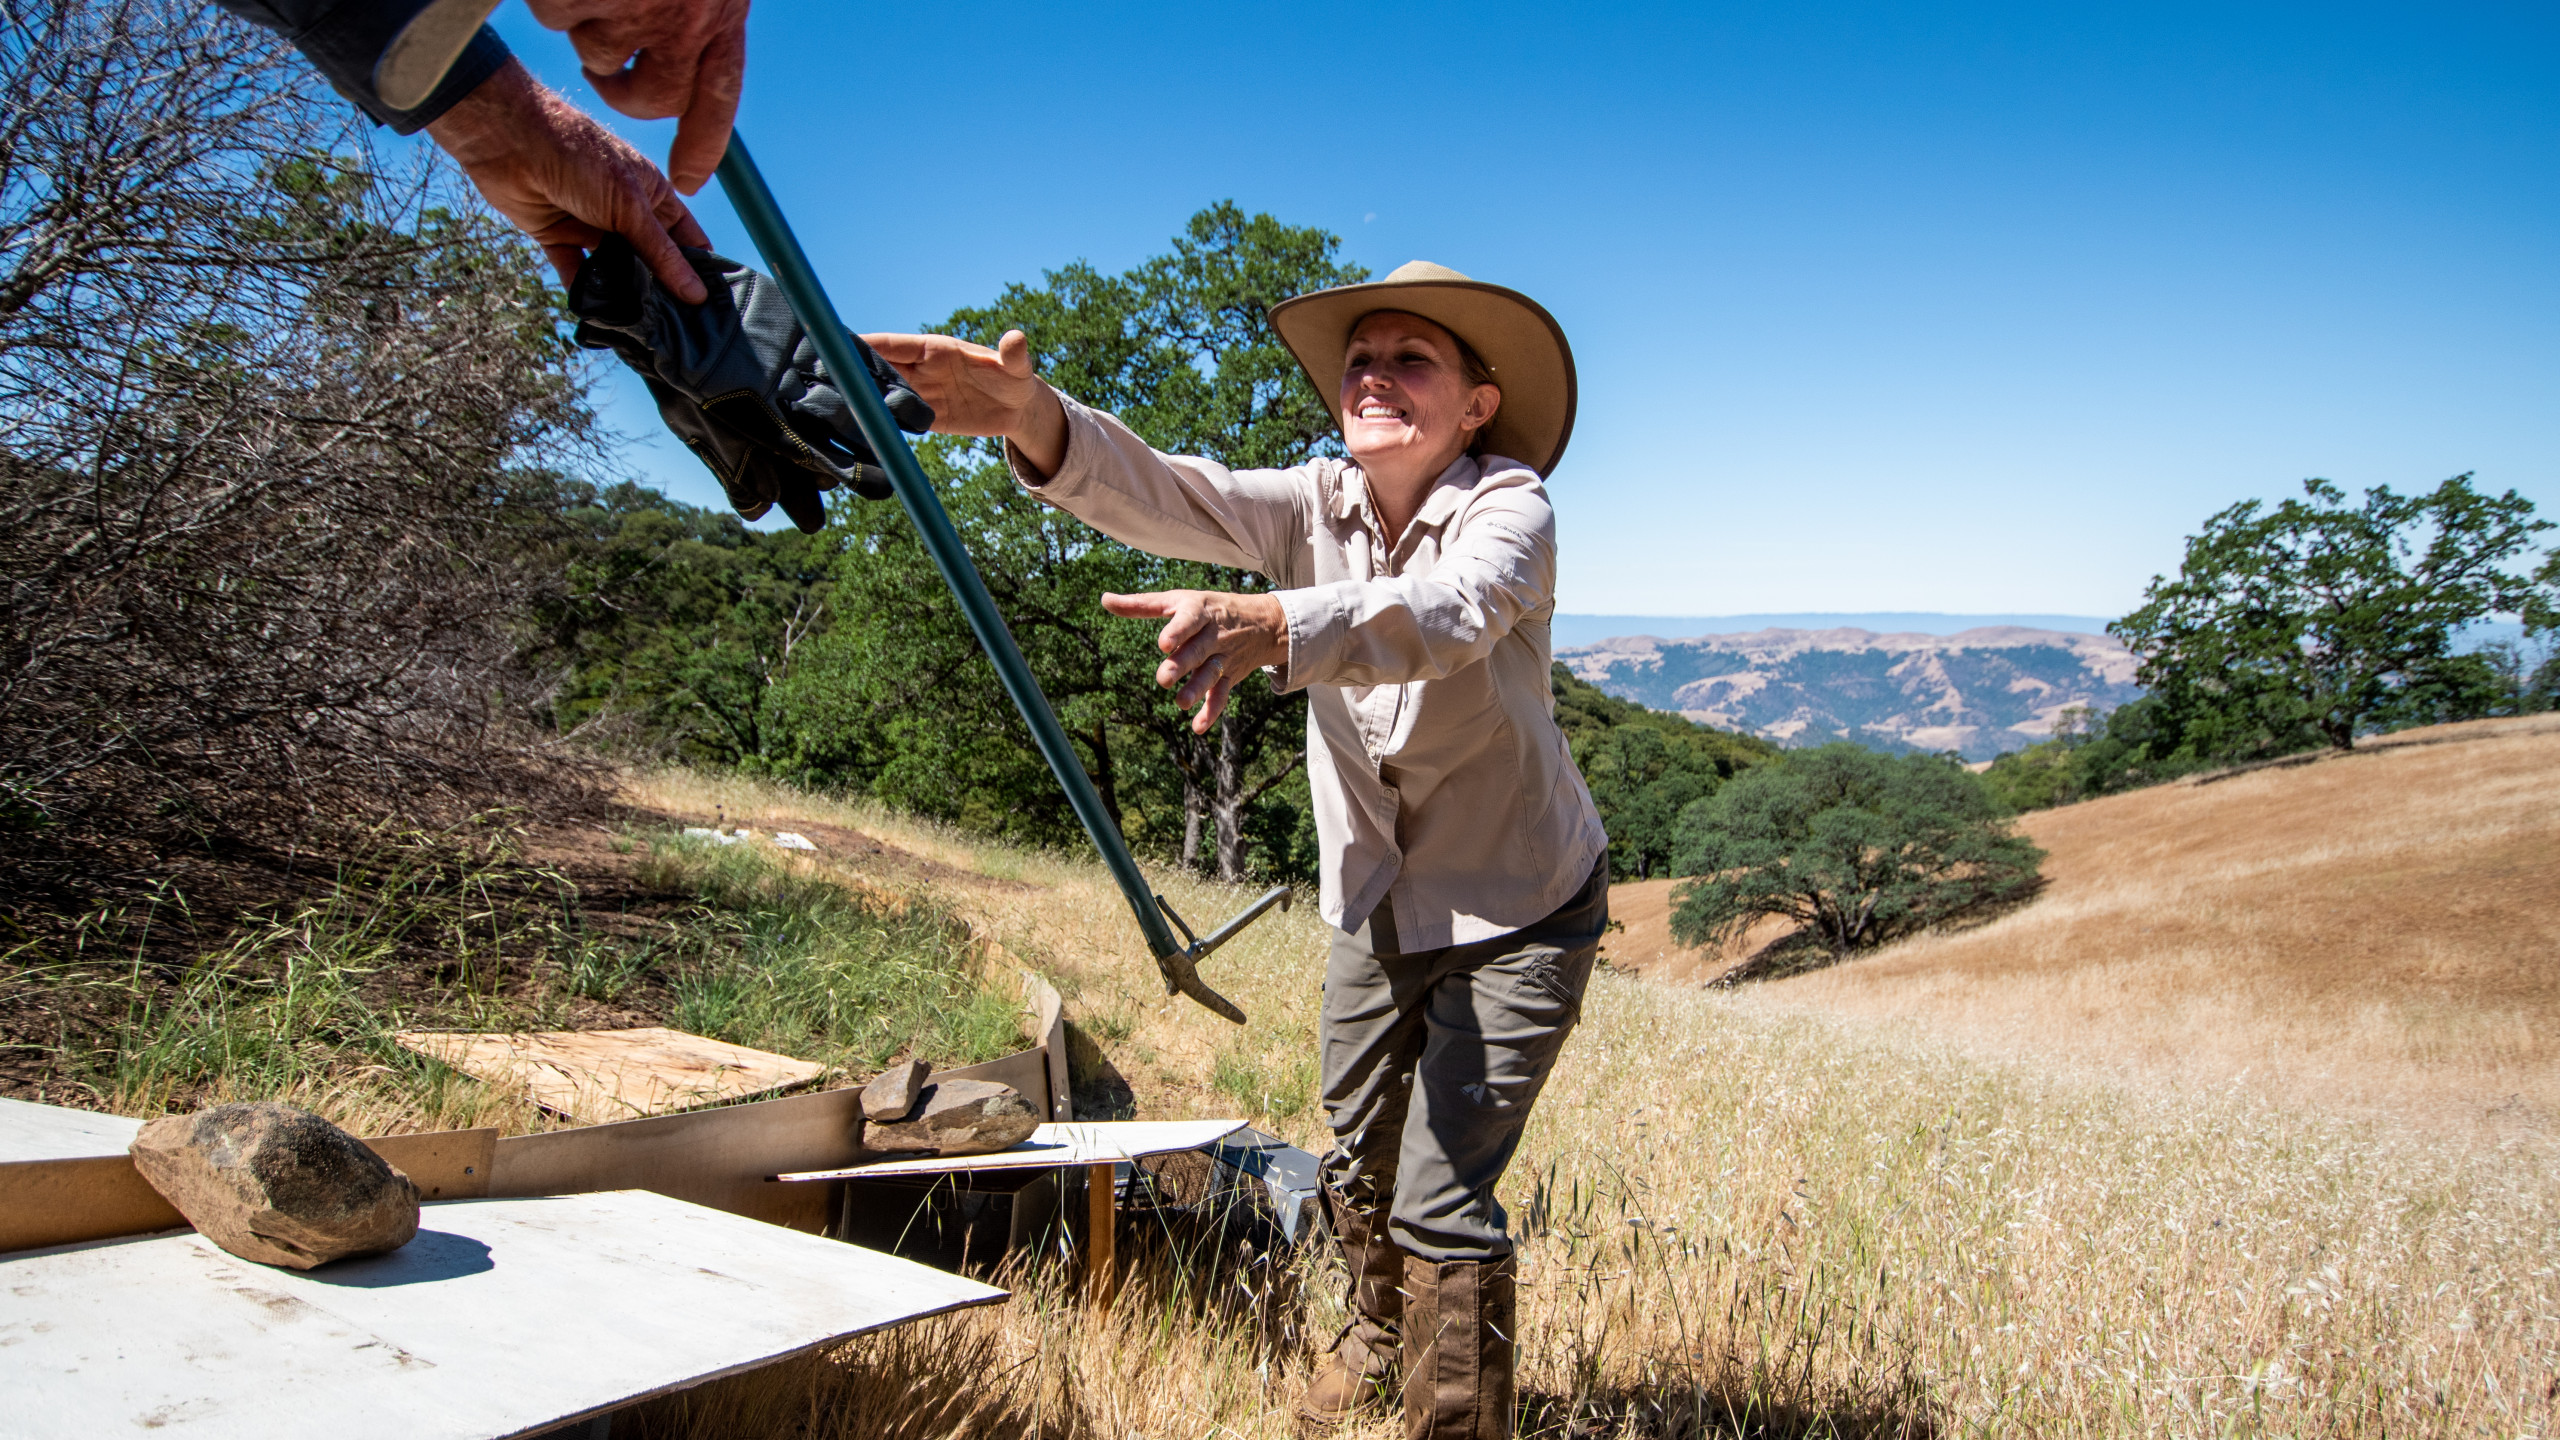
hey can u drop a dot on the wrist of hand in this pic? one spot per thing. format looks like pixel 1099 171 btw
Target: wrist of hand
pixel 1038 431
pixel 489 122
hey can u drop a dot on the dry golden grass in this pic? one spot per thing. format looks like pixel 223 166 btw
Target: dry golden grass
pixel 1740 1218
pixel 2378 931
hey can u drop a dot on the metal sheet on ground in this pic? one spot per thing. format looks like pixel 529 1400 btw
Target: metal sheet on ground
pixel 604 1075
pixel 503 1317
pixel 1082 1142
pixel 32 1131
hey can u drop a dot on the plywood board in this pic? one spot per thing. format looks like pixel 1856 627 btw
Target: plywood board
pixel 1087 1142
pixel 94 1197
pixel 723 1158
pixel 599 1076
pixel 1049 1022
pixel 502 1318
pixel 726 1158
pixel 30 1131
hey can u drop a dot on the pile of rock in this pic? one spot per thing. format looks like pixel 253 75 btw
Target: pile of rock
pixel 905 1114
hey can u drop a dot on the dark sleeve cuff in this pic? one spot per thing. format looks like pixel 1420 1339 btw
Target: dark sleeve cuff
pixel 346 41
pixel 479 60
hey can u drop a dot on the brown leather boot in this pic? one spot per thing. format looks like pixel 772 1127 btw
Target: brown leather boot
pixel 1359 1376
pixel 1458 1324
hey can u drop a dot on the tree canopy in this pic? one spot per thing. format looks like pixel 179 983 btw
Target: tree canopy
pixel 2316 621
pixel 1858 848
pixel 282 415
pixel 895 696
pixel 1644 766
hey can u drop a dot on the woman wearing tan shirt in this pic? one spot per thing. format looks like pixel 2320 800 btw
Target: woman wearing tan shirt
pixel 1464 869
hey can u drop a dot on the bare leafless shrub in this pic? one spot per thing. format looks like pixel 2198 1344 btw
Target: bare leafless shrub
pixel 278 412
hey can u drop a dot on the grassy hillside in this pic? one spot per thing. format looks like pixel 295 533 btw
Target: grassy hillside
pixel 2378 930
pixel 1740 1217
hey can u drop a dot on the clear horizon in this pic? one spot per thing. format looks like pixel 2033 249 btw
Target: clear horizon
pixel 1977 310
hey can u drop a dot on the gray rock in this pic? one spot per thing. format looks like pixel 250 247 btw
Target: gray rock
pixel 892 1093
pixel 958 1117
pixel 277 1185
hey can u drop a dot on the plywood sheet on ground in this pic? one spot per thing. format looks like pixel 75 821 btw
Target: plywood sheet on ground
pixel 30 1131
pixel 95 1195
pixel 598 1076
pixel 1089 1142
pixel 503 1316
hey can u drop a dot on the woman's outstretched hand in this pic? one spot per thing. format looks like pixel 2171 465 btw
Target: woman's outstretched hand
pixel 977 391
pixel 1213 639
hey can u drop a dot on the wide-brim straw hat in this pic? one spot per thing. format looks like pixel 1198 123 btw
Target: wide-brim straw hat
pixel 1512 334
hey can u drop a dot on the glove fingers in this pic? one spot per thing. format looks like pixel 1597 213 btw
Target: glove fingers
pixel 800 499
pixel 736 379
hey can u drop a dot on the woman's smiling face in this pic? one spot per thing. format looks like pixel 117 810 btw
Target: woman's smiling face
pixel 1407 405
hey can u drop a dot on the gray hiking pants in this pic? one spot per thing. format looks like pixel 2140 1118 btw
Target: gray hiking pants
pixel 1432 1060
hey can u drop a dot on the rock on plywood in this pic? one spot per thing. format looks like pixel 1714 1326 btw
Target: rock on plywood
pixel 277 1185
pixel 957 1117
pixel 892 1094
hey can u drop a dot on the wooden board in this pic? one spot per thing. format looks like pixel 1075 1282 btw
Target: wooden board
pixel 1086 1142
pixel 599 1076
pixel 502 1318
pixel 30 1131
pixel 726 1158
pixel 95 1197
pixel 723 1158
pixel 1049 1022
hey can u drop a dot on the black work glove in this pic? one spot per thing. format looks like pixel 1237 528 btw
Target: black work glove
pixel 738 381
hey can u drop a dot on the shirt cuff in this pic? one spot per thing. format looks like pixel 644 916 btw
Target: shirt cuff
pixel 482 58
pixel 1075 467
pixel 1317 628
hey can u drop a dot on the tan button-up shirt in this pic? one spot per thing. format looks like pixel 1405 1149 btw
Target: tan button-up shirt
pixel 1442 785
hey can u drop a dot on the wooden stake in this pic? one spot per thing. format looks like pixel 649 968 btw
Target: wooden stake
pixel 1102 1216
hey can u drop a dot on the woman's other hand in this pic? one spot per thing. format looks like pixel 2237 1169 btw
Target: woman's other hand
pixel 1212 639
pixel 977 391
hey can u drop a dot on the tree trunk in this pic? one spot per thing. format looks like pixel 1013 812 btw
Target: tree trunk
pixel 1228 773
pixel 1195 809
pixel 1106 781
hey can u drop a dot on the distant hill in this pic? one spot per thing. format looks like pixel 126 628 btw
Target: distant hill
pixel 1591 629
pixel 1980 691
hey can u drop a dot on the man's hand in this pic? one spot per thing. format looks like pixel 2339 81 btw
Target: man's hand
pixel 566 180
pixel 977 391
pixel 651 59
pixel 1215 639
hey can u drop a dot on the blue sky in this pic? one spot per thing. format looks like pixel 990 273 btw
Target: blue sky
pixel 1954 308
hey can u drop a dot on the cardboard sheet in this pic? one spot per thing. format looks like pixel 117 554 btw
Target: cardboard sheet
pixel 1085 1142
pixel 598 1076
pixel 502 1317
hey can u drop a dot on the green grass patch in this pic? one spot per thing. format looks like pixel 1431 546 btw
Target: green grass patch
pixel 303 1001
pixel 783 959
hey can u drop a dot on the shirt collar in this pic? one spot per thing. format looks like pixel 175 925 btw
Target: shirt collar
pixel 1351 497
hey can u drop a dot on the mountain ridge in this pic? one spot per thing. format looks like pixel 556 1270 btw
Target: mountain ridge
pixel 1580 629
pixel 1979 691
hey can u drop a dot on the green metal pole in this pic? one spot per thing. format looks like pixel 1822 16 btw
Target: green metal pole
pixel 755 205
